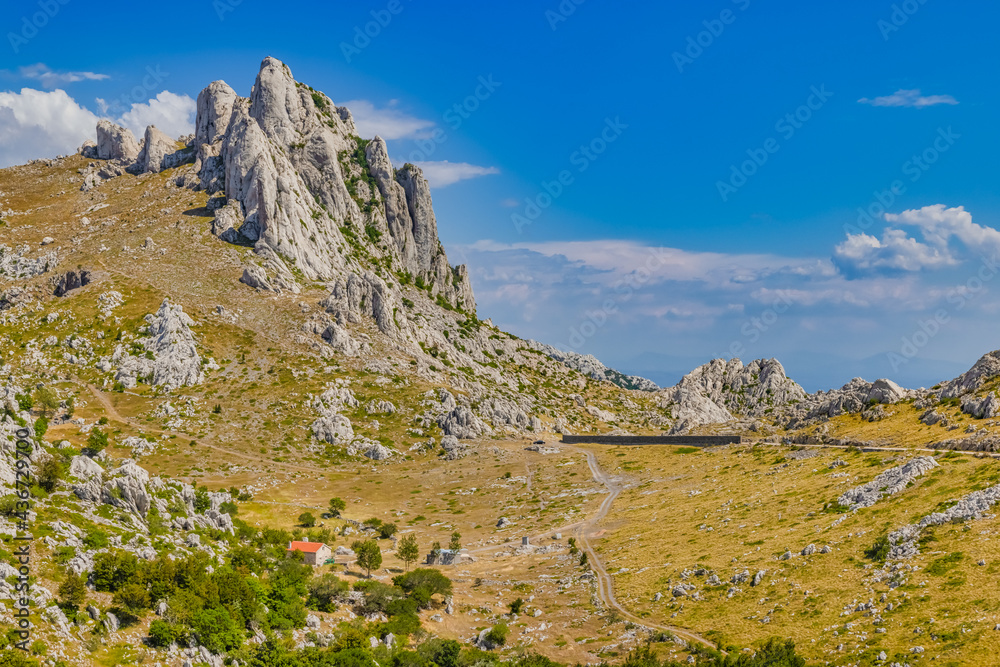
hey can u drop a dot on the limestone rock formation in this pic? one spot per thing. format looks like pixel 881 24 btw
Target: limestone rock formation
pixel 888 483
pixel 175 360
pixel 15 263
pixel 986 368
pixel 116 143
pixel 986 407
pixel 311 192
pixel 71 280
pixel 156 146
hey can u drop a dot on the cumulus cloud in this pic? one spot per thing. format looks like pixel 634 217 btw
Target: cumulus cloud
pixel 50 79
pixel 171 113
pixel 41 124
pixel 909 98
pixel 38 124
pixel 948 237
pixel 442 173
pixel 388 122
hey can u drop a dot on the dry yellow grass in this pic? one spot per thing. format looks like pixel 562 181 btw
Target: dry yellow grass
pixel 729 509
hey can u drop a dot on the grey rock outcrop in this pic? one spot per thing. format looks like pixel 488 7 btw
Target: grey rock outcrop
pixel 364 295
pixel 904 541
pixel 116 143
pixel 889 483
pixel 215 108
pixel 986 368
pixel 156 146
pixel 15 263
pixel 854 397
pixel 986 407
pixel 175 363
pixel 256 277
pixel 71 280
pixel 459 420
pixel 309 190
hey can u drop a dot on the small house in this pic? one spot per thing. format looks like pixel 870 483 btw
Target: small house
pixel 315 553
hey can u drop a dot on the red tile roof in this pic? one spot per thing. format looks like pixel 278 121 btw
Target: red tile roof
pixel 305 547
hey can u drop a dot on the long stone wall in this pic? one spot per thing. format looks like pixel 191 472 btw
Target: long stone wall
pixel 689 440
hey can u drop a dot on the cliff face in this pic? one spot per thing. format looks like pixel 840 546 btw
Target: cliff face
pixel 313 196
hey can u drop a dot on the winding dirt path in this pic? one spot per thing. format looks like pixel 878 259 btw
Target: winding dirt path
pixel 605 584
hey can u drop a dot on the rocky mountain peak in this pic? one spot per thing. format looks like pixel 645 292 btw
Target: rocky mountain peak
pixel 315 196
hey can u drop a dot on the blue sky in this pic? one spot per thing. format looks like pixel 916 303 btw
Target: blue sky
pixel 652 255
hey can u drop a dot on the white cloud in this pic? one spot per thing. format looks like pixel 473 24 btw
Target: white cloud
pixel 43 74
pixel 909 98
pixel 171 113
pixel 36 124
pixel 949 236
pixel 940 225
pixel 440 174
pixel 387 122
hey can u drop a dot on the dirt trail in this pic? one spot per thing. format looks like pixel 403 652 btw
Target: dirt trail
pixel 605 584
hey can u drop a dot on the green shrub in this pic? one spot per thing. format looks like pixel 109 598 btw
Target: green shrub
pixel 879 551
pixel 216 630
pixel 498 634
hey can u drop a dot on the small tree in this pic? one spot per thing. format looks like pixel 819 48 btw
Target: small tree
pixel 456 542
pixel 497 636
pixel 132 600
pixel 307 520
pixel 49 474
pixel 46 400
pixel 387 530
pixel 435 550
pixel 369 555
pixel 73 591
pixel 583 559
pixel 97 442
pixel 408 551
pixel 41 426
pixel 337 505
pixel 517 606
